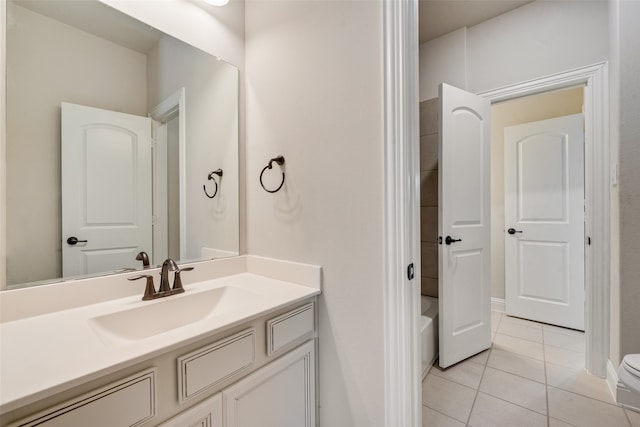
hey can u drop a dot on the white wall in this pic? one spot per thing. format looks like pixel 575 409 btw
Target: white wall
pixel 443 60
pixel 315 95
pixel 3 148
pixel 538 39
pixel 51 62
pixel 625 134
pixel 614 138
pixel 211 97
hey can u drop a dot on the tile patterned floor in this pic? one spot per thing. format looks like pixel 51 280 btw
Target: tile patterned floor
pixel 532 376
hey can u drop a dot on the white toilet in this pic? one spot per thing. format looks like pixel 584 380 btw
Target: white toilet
pixel 629 372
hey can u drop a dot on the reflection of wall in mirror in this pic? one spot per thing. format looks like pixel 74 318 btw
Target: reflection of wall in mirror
pixel 211 88
pixel 112 77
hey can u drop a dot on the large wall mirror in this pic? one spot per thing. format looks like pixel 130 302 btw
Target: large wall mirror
pixel 120 139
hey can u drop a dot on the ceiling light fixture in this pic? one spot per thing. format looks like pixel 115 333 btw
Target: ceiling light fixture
pixel 216 2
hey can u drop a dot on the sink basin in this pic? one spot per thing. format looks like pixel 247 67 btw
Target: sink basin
pixel 169 313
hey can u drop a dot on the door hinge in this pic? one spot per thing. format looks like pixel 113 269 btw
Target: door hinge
pixel 410 271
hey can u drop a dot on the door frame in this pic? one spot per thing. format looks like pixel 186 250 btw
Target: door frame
pixel 160 114
pixel 401 178
pixel 597 203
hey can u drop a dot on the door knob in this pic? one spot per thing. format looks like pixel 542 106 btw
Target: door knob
pixel 513 231
pixel 448 240
pixel 74 240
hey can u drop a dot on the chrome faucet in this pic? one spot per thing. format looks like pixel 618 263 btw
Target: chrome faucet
pixel 164 290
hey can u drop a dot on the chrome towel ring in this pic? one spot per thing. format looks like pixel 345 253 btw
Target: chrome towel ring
pixel 280 161
pixel 210 177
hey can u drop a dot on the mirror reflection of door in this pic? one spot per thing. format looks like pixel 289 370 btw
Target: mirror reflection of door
pixel 106 189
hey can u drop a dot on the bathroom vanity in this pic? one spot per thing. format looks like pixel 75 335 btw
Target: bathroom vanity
pixel 238 348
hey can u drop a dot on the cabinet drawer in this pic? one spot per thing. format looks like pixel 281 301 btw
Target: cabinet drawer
pixel 126 403
pixel 215 363
pixel 290 328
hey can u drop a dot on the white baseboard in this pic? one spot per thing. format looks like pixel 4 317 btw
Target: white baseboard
pixel 620 392
pixel 612 378
pixel 498 304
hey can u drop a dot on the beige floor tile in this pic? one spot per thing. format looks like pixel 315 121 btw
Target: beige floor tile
pixel 557 423
pixel 521 331
pixel 521 322
pixel 496 316
pixel 465 373
pixel 563 357
pixel 518 346
pixel 578 381
pixel 633 416
pixel 512 388
pixel 480 358
pixel 560 329
pixel 583 411
pixel 517 364
pixel 431 418
pixel 573 342
pixel 447 397
pixel 489 411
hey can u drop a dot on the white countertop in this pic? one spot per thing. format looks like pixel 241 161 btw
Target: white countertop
pixel 47 352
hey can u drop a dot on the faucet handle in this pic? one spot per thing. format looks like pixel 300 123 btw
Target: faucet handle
pixel 177 281
pixel 150 289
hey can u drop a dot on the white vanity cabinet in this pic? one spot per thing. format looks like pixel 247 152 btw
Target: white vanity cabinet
pixel 259 373
pixel 281 394
pixel 128 402
pixel 205 414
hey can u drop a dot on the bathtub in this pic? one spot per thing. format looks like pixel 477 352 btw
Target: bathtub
pixel 429 332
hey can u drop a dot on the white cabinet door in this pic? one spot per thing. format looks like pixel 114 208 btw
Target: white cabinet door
pixel 205 414
pixel 464 225
pixel 544 218
pixel 281 394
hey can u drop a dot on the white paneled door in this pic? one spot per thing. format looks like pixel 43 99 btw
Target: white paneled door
pixel 464 225
pixel 106 189
pixel 544 221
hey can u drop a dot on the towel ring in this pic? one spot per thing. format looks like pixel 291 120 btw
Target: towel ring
pixel 280 161
pixel 210 177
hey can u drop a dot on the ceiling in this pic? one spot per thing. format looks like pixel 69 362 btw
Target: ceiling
pixel 98 19
pixel 439 17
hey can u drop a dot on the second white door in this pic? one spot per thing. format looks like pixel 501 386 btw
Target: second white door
pixel 544 221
